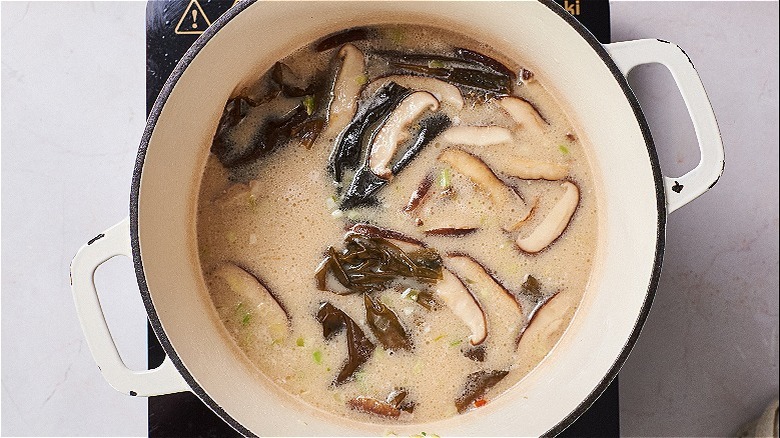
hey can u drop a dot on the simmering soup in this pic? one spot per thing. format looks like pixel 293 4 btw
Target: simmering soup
pixel 396 224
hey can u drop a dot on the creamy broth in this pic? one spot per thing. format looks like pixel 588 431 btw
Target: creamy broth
pixel 266 223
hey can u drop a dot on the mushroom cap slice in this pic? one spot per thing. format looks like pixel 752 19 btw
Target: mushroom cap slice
pixel 346 88
pixel 444 92
pixel 546 324
pixel 238 289
pixel 477 135
pixel 556 221
pixel 523 113
pixel 502 310
pixel 396 130
pixel 503 197
pixel 466 266
pixel 459 300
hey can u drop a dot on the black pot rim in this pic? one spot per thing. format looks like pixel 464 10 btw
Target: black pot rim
pixel 232 13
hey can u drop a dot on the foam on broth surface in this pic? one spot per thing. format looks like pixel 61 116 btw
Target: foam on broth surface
pixel 276 218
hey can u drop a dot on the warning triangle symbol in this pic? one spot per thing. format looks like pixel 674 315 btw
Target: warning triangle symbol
pixel 194 21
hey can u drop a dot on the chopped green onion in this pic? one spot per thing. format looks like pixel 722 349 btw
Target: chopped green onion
pixel 353 215
pixel 317 355
pixel 252 201
pixel 411 294
pixel 438 338
pixel 310 104
pixel 246 319
pixel 300 342
pixel 445 178
pixel 455 343
pixel 563 148
pixel 435 63
pixel 361 80
pixel 331 202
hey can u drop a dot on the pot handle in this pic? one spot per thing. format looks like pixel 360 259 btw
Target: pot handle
pixel 682 190
pixel 113 242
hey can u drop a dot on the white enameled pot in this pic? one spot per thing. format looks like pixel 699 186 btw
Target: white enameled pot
pixel 586 77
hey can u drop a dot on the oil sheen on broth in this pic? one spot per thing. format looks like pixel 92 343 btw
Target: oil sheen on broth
pixel 394 225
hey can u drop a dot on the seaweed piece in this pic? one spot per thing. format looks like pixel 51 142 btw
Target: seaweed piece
pixel 347 150
pixel 235 111
pixel 476 354
pixel 359 347
pixel 272 134
pixel 531 287
pixel 477 384
pixel 487 61
pixel 468 77
pixel 384 324
pixel 366 184
pixel 283 76
pixel 371 263
pixel 430 128
pixel 337 39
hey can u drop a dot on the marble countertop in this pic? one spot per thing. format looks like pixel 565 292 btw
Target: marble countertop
pixel 73 99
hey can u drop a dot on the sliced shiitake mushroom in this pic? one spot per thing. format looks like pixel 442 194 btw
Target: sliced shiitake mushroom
pixel 256 302
pixel 346 88
pixel 546 319
pixel 451 231
pixel 348 148
pixel 503 197
pixel 390 408
pixel 465 266
pixel 554 224
pixel 396 237
pixel 462 303
pixel 417 197
pixel 396 130
pixel 477 135
pixel 523 113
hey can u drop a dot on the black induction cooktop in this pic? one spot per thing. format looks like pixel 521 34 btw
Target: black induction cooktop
pixel 171 27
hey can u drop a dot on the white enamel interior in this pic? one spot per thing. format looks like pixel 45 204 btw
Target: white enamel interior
pixel 527 30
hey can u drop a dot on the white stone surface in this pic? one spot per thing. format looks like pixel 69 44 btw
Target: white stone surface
pixel 73 102
pixel 707 359
pixel 73 110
